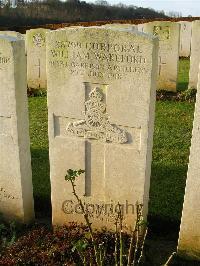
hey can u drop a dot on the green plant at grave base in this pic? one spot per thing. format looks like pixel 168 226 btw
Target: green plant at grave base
pixel 81 246
pixel 71 177
pixel 136 247
pixel 36 92
pixel 133 256
pixel 8 233
pixel 189 95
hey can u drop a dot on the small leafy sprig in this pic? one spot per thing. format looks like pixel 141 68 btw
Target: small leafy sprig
pixel 73 174
pixel 99 257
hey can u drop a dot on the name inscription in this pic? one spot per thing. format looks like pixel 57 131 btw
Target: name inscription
pixel 4 60
pixel 102 60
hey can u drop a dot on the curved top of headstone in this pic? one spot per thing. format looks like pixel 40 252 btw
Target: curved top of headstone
pixel 9 38
pixel 100 29
pixel 38 29
pixel 13 34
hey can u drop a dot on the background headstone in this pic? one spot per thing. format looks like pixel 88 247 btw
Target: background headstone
pixel 189 236
pixel 16 196
pixel 36 58
pixel 101 96
pixel 169 41
pixel 185 38
pixel 195 54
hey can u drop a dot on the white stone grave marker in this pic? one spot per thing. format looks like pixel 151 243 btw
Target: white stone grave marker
pixel 189 236
pixel 185 38
pixel 169 39
pixel 101 96
pixel 16 196
pixel 36 58
pixel 195 54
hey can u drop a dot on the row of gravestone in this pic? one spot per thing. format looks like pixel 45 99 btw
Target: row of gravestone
pixel 101 105
pixel 175 40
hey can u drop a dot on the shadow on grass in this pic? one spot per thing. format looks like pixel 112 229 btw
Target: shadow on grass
pixel 41 182
pixel 182 86
pixel 166 197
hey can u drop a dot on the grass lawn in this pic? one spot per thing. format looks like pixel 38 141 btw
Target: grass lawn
pixel 40 153
pixel 183 75
pixel 172 135
pixel 173 126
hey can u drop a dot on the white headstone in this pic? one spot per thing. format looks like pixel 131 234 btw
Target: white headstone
pixel 185 38
pixel 189 236
pixel 195 54
pixel 36 58
pixel 16 196
pixel 101 96
pixel 169 41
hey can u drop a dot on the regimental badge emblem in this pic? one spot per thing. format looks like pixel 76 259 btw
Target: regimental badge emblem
pixel 162 32
pixel 38 40
pixel 96 124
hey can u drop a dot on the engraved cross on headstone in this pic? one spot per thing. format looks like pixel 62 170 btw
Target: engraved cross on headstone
pixel 95 126
pixel 39 68
pixel 161 64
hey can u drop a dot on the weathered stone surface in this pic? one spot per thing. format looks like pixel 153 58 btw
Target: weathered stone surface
pixel 101 94
pixel 195 54
pixel 189 236
pixel 120 26
pixel 16 35
pixel 185 38
pixel 12 34
pixel 16 197
pixel 36 58
pixel 140 27
pixel 169 41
